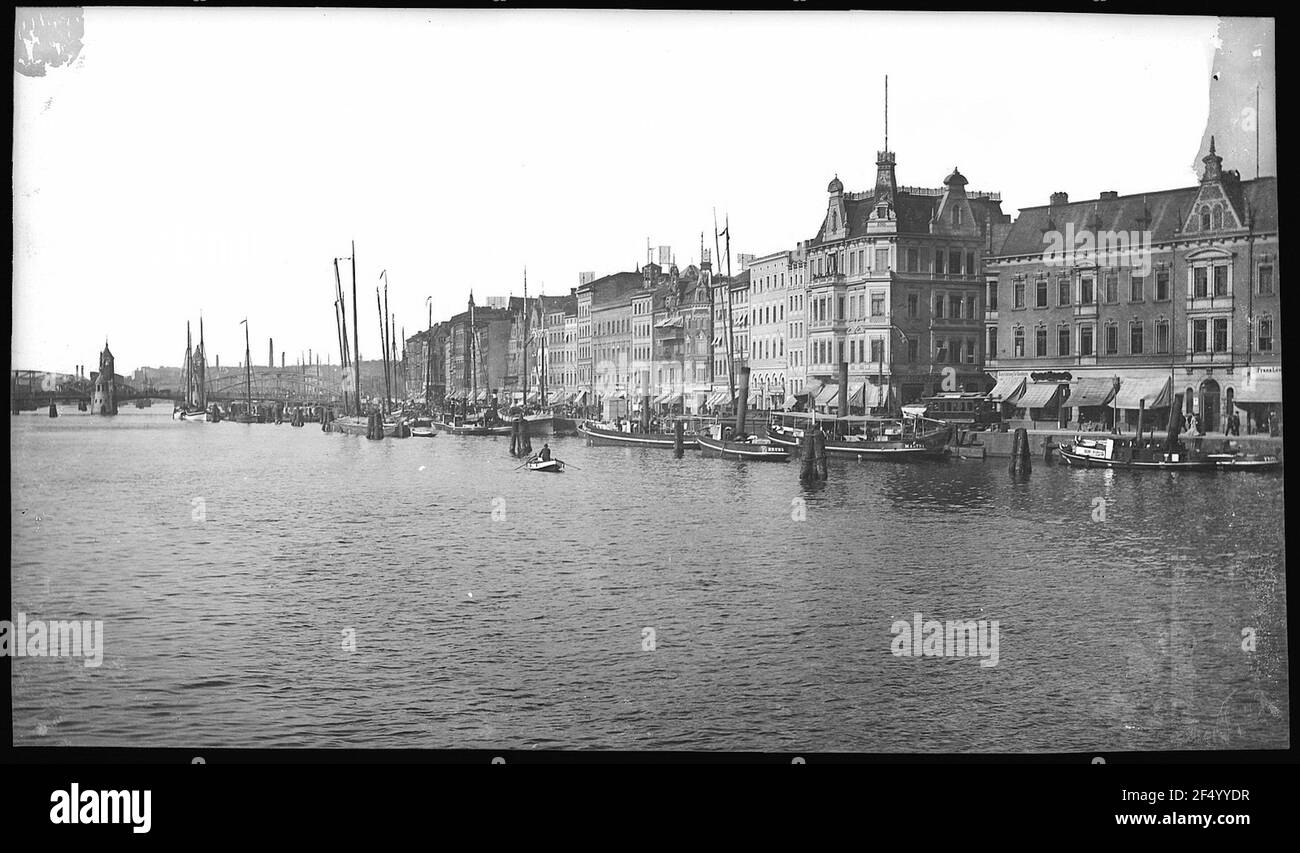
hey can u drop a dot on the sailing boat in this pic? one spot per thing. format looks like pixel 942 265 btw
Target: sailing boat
pixel 194 407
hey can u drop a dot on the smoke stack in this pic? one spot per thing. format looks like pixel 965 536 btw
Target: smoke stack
pixel 270 352
pixel 1059 199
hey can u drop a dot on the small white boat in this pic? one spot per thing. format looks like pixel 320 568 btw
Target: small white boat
pixel 550 466
pixel 422 432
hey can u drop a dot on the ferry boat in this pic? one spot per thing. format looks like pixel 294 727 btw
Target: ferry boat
pixel 1132 454
pixel 749 448
pixel 863 437
pixel 608 435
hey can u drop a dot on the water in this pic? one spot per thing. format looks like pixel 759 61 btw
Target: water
pixel 494 608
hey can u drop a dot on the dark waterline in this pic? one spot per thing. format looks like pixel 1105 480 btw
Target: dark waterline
pixel 525 629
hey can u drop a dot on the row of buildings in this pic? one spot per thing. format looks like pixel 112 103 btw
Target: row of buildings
pixel 1090 309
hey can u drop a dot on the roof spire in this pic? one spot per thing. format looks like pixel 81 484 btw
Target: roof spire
pixel 887 112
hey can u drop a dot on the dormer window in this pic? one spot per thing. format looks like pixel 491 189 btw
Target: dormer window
pixel 1205 219
pixel 835 220
pixel 882 211
pixel 956 216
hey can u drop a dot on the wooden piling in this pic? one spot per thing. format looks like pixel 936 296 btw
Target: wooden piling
pixel 742 402
pixel 677 439
pixel 1020 454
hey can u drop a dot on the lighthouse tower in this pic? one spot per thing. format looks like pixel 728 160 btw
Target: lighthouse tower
pixel 104 400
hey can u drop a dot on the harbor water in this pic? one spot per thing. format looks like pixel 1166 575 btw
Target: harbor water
pixel 267 586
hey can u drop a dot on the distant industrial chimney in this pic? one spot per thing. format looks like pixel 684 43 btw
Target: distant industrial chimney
pixel 270 352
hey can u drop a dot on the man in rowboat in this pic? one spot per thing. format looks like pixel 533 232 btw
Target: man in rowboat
pixel 545 453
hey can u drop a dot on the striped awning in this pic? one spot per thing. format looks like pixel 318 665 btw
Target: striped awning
pixel 1007 389
pixel 1039 395
pixel 827 394
pixel 1091 392
pixel 669 399
pixel 790 401
pixel 1134 392
pixel 717 398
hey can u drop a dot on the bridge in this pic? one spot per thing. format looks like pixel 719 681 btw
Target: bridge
pixel 32 389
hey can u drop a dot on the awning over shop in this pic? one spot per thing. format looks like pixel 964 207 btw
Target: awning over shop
pixel 1007 389
pixel 865 394
pixel 1092 392
pixel 1038 395
pixel 717 398
pixel 1132 392
pixel 827 394
pixel 535 397
pixel 1259 388
pixel 672 398
pixel 578 398
pixel 481 396
pixel 790 401
pixel 617 395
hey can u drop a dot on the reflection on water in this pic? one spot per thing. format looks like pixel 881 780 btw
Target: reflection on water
pixel 491 607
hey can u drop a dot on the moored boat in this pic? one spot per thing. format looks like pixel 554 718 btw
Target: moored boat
pixel 748 448
pixel 607 435
pixel 1126 453
pixel 861 437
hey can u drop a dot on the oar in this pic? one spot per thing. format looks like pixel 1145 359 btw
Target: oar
pixel 565 464
pixel 526 461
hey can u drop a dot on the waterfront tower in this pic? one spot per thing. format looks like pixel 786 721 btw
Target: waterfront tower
pixel 104 399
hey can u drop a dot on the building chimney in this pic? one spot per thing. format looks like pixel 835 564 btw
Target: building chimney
pixel 1060 199
pixel 1109 195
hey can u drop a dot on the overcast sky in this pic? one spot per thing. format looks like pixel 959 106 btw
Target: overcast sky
pixel 217 160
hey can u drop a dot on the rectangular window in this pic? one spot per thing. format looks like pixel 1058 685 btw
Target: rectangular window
pixel 1135 339
pixel 1040 341
pixel 1085 291
pixel 954 262
pixel 991 298
pixel 1199 342
pixel 1220 280
pixel 1062 291
pixel 938 261
pixel 913 263
pixel 1085 340
pixel 853 263
pixel 1112 339
pixel 1063 340
pixel 839 314
pixel 1266 279
pixel 913 305
pixel 1136 288
pixel 1112 287
pixel 940 350
pixel 1220 334
pixel 938 306
pixel 877 349
pixel 1162 285
pixel 1040 293
pixel 877 305
pixel 1266 334
pixel 882 260
pixel 913 350
pixel 1162 336
pixel 1200 281
pixel 970 263
pixel 1018 291
pixel 1018 343
pixel 993 342
pixel 970 307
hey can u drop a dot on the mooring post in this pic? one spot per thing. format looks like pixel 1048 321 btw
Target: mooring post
pixel 1020 455
pixel 677 439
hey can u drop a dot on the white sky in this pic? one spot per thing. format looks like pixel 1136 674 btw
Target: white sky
pixel 219 159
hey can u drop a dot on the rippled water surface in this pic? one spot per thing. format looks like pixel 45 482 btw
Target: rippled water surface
pixel 501 608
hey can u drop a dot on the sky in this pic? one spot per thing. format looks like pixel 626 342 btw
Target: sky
pixel 216 161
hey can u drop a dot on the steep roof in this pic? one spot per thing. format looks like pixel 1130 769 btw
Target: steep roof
pixel 614 290
pixel 912 213
pixel 1168 210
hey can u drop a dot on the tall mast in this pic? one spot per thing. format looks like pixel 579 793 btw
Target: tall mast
pixel 189 366
pixel 356 334
pixel 473 330
pixel 248 371
pixel 383 344
pixel 428 359
pixel 731 354
pixel 542 357
pixel 202 367
pixel 525 336
pixel 341 322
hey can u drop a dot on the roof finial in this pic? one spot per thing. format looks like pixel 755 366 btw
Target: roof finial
pixel 1211 144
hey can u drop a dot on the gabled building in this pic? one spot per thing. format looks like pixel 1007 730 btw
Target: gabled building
pixel 1142 301
pixel 894 287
